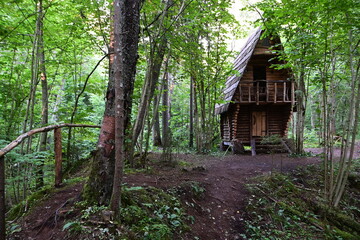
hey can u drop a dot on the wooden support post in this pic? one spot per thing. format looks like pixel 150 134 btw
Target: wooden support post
pixel 249 91
pixel 286 146
pixel 284 91
pixel 275 88
pixel 257 93
pixel 267 92
pixel 2 199
pixel 292 93
pixel 253 150
pixel 58 157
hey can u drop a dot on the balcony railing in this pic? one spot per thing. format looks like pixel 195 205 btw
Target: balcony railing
pixel 264 91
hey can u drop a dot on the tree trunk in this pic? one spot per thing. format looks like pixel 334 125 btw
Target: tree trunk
pixel 166 156
pixel 156 119
pixel 44 96
pixel 102 184
pixel 158 45
pixel 151 79
pixel 126 20
pixel 191 120
pixel 351 128
pixel 29 117
pixel 99 186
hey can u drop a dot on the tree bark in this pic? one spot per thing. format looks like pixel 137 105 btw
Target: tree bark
pixel 101 186
pixel 126 20
pixel 191 120
pixel 151 79
pixel 156 128
pixel 44 96
pixel 29 117
pixel 166 133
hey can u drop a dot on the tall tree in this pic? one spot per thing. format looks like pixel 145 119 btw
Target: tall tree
pixel 44 92
pixel 156 32
pixel 105 177
pixel 321 45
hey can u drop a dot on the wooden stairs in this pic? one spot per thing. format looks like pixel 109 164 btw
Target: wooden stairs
pixel 284 146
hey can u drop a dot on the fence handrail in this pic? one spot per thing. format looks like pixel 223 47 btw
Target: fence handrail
pixel 16 142
pixel 23 136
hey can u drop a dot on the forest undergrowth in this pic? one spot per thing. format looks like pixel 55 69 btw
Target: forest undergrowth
pixel 291 206
pixel 230 197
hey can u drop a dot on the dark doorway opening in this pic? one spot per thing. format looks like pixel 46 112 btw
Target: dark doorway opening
pixel 259 75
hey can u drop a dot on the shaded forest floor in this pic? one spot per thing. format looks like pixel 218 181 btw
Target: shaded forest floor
pixel 218 214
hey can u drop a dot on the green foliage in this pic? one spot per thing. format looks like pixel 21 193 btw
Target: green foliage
pixel 146 213
pixel 271 139
pixel 291 207
pixel 151 213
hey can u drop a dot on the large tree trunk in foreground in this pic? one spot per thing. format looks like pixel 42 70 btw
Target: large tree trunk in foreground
pixel 123 58
pixel 126 20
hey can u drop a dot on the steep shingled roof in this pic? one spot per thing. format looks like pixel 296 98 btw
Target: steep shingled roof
pixel 240 64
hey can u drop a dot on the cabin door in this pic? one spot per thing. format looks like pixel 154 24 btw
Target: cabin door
pixel 258 124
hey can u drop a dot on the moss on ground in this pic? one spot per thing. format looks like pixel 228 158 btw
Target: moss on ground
pixel 146 213
pixel 291 207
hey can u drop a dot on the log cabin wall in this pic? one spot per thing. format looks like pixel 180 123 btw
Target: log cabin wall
pixel 258 101
pixel 243 124
pixel 277 118
pixel 225 127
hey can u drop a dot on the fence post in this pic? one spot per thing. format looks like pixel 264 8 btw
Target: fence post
pixel 2 199
pixel 58 157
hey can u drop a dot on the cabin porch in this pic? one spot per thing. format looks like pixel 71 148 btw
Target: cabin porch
pixel 265 91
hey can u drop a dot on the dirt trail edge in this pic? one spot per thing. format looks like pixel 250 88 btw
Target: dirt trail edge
pixel 219 214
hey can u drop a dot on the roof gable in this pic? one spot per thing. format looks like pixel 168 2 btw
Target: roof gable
pixel 240 64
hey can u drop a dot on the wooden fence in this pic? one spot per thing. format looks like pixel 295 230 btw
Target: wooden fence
pixel 58 162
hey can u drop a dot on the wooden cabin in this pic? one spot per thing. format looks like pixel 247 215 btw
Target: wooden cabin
pixel 258 99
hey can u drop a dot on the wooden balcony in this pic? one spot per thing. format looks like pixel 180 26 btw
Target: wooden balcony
pixel 265 91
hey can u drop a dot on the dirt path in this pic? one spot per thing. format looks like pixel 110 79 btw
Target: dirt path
pixel 218 215
pixel 47 219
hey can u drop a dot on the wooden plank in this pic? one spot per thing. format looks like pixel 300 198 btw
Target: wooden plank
pixel 284 91
pixel 2 199
pixel 58 157
pixel 257 93
pixel 286 146
pixel 263 123
pixel 253 150
pixel 275 93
